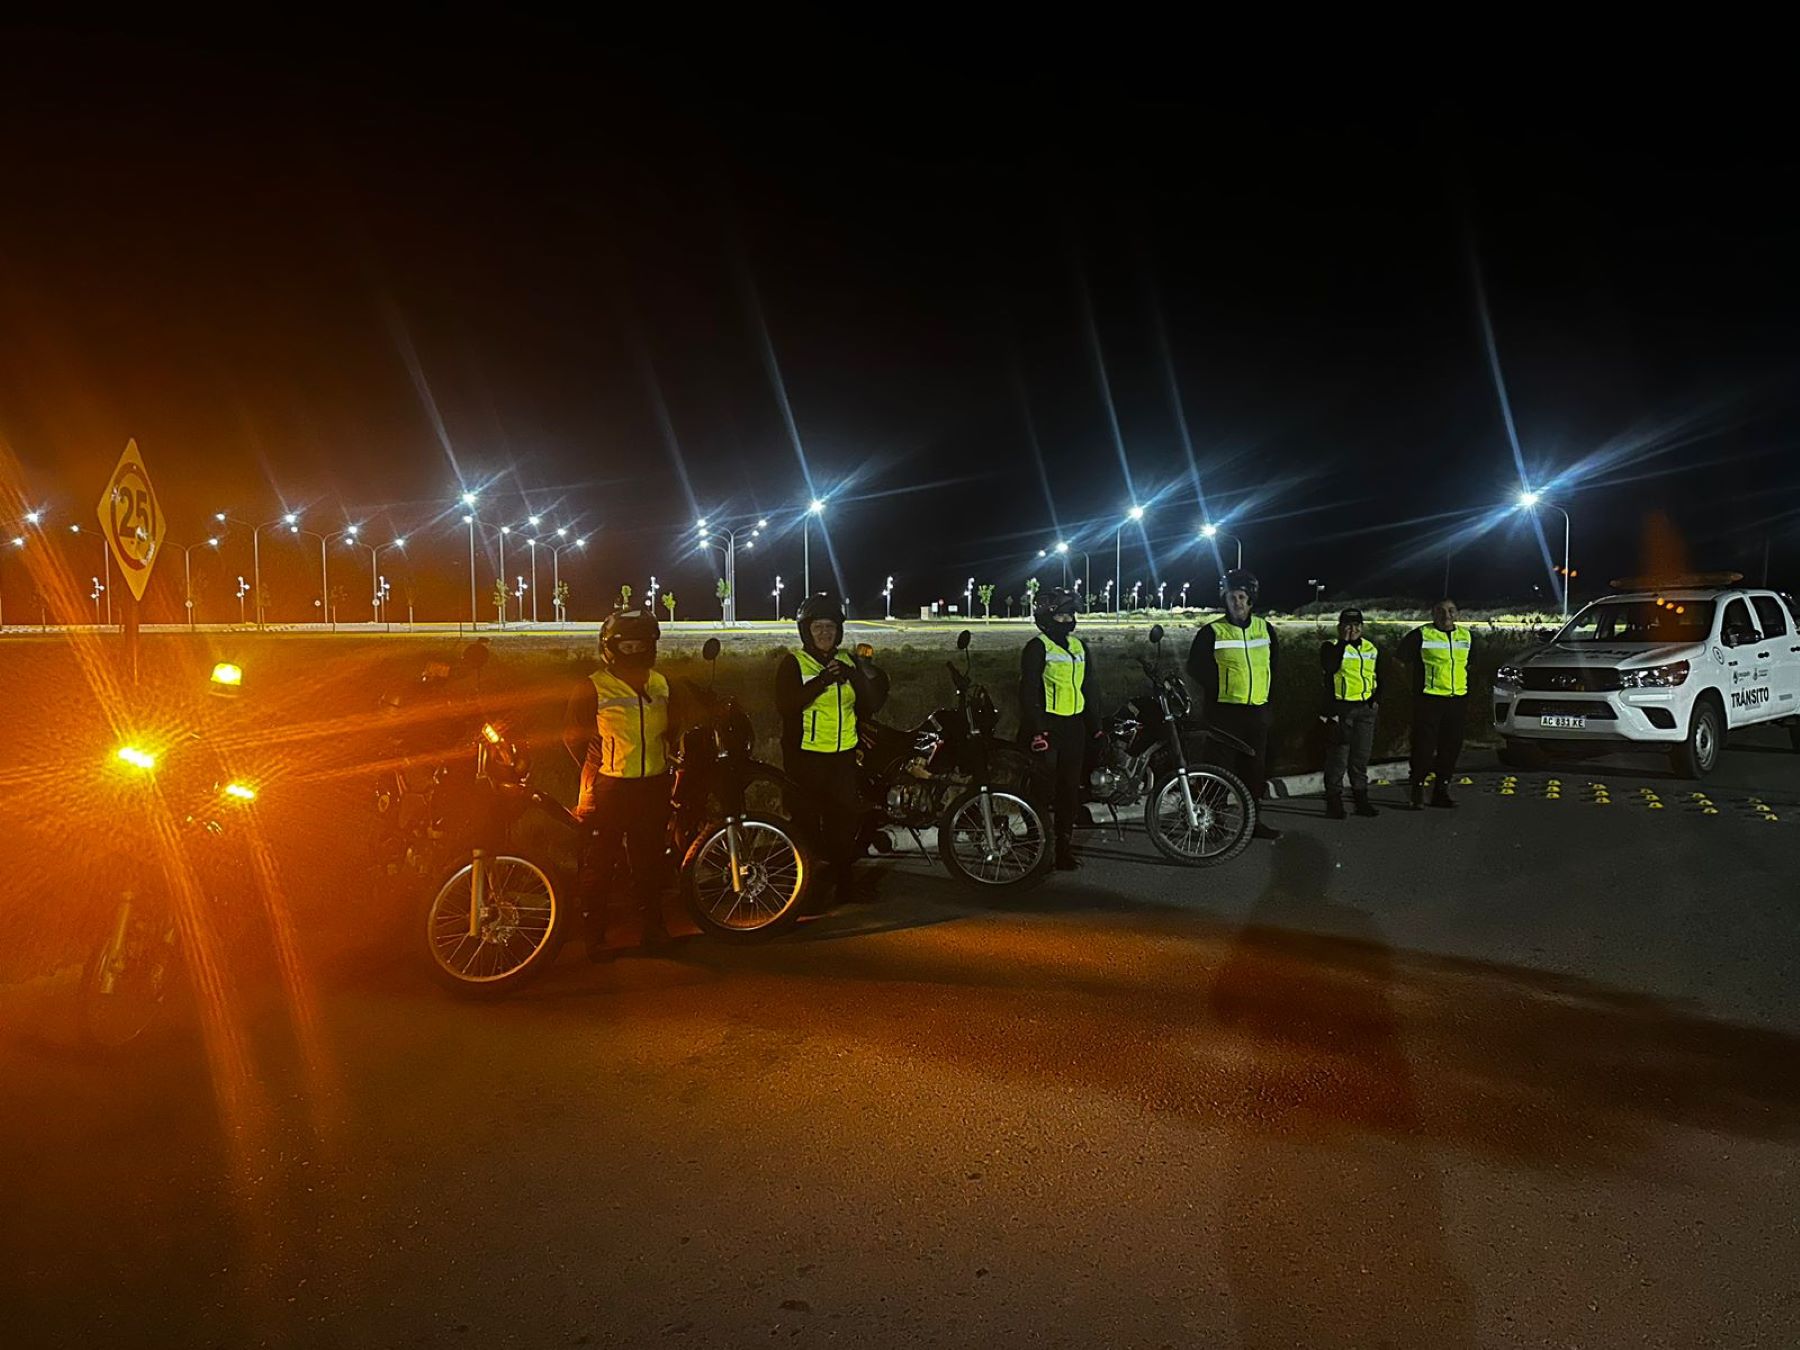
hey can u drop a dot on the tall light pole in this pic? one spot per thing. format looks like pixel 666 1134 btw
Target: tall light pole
pixel 1184 591
pixel 468 500
pixel 1210 532
pixel 887 593
pixel 1132 517
pixel 324 573
pixel 106 570
pixel 187 574
pixel 17 542
pixel 969 596
pixel 814 508
pixel 562 533
pixel 777 594
pixel 533 522
pixel 504 531
pixel 1530 501
pixel 242 590
pixel 289 519
pixel 726 542
pixel 376 590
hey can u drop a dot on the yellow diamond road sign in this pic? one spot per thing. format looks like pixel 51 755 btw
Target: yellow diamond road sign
pixel 132 520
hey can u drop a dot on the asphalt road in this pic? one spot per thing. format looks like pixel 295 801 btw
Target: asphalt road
pixel 1522 1074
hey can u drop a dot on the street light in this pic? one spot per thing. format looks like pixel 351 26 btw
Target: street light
pixel 293 524
pixel 777 594
pixel 815 508
pixel 969 596
pixel 887 593
pixel 468 500
pixel 1210 532
pixel 379 586
pixel 556 600
pixel 726 542
pixel 1132 517
pixel 1184 591
pixel 289 519
pixel 1530 501
pixel 18 542
pixel 242 590
pixel 106 570
pixel 187 573
pixel 533 543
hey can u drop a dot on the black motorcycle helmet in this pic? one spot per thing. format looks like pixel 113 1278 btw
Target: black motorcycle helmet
pixel 628 638
pixel 1240 579
pixel 1056 607
pixel 814 608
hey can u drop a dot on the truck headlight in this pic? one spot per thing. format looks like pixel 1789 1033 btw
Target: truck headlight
pixel 1510 676
pixel 1655 677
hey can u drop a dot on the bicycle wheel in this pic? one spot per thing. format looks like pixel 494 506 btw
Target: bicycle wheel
pixel 1224 815
pixel 994 839
pixel 762 896
pixel 518 925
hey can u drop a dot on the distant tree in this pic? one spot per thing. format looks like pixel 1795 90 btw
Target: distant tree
pixel 560 598
pixel 1031 594
pixel 339 594
pixel 624 597
pixel 1010 602
pixel 723 591
pixel 499 601
pixel 669 604
pixel 985 592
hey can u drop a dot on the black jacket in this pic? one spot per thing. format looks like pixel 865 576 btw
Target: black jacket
pixel 1032 716
pixel 1203 666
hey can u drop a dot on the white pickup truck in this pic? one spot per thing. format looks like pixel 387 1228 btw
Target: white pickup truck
pixel 1675 669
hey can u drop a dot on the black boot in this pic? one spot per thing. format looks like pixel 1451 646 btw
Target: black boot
pixel 1265 831
pixel 1363 808
pixel 1417 801
pixel 1066 861
pixel 1334 806
pixel 1440 797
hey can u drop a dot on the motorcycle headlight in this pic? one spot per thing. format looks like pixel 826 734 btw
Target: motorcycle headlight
pixel 136 758
pixel 1655 677
pixel 1510 676
pixel 239 792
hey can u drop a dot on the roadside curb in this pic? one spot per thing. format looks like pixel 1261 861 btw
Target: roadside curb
pixel 1312 784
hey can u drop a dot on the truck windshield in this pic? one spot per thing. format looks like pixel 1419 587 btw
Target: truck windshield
pixel 1641 621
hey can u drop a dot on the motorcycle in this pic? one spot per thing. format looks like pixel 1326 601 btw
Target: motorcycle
pixel 952 772
pixel 131 979
pixel 1195 813
pixel 745 866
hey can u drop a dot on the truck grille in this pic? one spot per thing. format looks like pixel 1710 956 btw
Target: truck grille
pixel 1556 679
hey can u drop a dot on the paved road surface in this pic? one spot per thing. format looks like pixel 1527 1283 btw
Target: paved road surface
pixel 1523 1074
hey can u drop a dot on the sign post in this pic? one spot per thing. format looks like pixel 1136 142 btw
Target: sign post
pixel 132 520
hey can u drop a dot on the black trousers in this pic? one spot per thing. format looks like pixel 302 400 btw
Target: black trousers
pixel 1250 724
pixel 1059 770
pixel 834 798
pixel 1437 736
pixel 628 831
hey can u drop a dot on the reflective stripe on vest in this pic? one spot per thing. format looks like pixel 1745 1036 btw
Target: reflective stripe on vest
pixel 632 728
pixel 1065 694
pixel 1354 681
pixel 1242 655
pixel 828 723
pixel 1446 658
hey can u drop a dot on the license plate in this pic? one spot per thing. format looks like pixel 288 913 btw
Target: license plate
pixel 1563 720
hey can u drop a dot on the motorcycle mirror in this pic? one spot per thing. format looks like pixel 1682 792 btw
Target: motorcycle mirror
pixel 1156 635
pixel 709 651
pixel 962 640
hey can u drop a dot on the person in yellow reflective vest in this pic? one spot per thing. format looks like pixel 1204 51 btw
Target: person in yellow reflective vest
pixel 1350 712
pixel 619 726
pixel 1057 716
pixel 1233 661
pixel 1438 653
pixel 821 692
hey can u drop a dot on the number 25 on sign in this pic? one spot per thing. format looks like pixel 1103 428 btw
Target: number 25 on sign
pixel 132 520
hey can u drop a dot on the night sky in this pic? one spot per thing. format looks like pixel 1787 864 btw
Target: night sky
pixel 354 278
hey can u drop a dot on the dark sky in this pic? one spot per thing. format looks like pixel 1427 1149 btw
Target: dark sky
pixel 352 276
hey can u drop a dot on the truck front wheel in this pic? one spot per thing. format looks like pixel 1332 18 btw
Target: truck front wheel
pixel 1698 755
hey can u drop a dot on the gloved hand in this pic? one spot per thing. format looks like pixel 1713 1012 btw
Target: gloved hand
pixel 1040 742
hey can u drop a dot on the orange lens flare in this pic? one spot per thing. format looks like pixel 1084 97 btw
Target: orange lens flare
pixel 138 759
pixel 240 791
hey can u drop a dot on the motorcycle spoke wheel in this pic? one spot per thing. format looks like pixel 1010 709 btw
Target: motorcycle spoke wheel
pixel 1020 846
pixel 514 929
pixel 1225 818
pixel 772 875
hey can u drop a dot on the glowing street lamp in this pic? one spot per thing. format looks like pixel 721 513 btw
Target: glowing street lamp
pixel 1530 500
pixel 1134 516
pixel 1184 591
pixel 187 573
pixel 1211 532
pixel 468 500
pixel 815 508
pixel 532 543
pixel 556 601
pixel 289 519
pixel 376 580
pixel 887 593
pixel 726 542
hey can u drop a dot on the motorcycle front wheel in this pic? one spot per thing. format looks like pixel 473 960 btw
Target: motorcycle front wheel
pixel 515 932
pixel 745 879
pixel 127 981
pixel 994 838
pixel 1224 816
